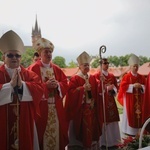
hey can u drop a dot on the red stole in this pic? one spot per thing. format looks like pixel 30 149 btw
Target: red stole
pixel 13 123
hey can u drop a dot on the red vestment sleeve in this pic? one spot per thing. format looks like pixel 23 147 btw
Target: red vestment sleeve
pixel 123 88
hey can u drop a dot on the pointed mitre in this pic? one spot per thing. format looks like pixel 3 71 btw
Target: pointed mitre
pixel 43 43
pixel 11 41
pixel 133 60
pixel 83 58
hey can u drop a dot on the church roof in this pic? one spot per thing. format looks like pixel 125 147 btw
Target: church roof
pixel 117 71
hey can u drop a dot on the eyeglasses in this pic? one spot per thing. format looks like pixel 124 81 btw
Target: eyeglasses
pixel 106 63
pixel 12 56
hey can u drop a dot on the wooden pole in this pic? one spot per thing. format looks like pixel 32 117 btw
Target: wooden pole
pixel 102 49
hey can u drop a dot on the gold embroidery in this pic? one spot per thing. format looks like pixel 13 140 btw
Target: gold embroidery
pixel 47 73
pixel 15 128
pixel 51 136
pixel 137 105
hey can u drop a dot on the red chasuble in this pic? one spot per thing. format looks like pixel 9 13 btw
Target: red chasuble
pixel 27 110
pixel 87 117
pixel 63 123
pixel 134 101
pixel 111 110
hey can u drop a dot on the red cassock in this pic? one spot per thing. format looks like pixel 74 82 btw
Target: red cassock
pixel 134 101
pixel 87 119
pixel 42 121
pixel 27 111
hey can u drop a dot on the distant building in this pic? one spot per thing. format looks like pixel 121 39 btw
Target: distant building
pixel 36 32
pixel 117 71
pixel 35 35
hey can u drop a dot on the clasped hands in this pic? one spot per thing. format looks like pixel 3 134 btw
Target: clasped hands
pixel 87 87
pixel 16 79
pixel 52 83
pixel 110 87
pixel 137 85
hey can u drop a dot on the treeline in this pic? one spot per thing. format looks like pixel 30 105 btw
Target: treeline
pixel 61 62
pixel 119 61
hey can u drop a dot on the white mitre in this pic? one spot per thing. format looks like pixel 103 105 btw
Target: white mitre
pixel 83 58
pixel 11 41
pixel 133 60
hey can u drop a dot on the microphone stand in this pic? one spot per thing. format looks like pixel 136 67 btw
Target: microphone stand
pixel 102 49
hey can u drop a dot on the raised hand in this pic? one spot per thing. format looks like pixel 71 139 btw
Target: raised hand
pixel 16 79
pixel 19 80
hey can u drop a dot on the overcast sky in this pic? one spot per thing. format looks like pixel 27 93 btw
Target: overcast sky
pixel 74 26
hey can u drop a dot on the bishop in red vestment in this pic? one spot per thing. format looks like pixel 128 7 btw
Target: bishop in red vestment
pixel 53 125
pixel 83 107
pixel 20 95
pixel 131 95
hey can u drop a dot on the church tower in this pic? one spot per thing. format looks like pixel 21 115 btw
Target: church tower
pixel 36 32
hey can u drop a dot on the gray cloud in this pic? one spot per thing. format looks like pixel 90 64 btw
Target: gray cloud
pixel 73 27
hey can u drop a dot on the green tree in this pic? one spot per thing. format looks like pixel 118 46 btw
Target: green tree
pixel 95 63
pixel 114 60
pixel 60 61
pixel 123 60
pixel 143 59
pixel 72 64
pixel 1 56
pixel 27 57
pixel 119 61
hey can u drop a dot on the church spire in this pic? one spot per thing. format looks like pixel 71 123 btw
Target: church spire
pixel 36 32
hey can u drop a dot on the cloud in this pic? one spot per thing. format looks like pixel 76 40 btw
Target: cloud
pixel 82 25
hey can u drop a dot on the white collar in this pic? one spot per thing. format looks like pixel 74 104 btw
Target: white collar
pixel 105 72
pixel 82 75
pixel 45 65
pixel 134 74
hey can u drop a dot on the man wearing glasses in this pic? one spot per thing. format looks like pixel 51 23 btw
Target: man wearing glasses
pixel 18 101
pixel 112 131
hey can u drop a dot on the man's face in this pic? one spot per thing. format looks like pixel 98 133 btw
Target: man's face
pixel 134 68
pixel 105 65
pixel 35 58
pixel 85 68
pixel 46 55
pixel 12 59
